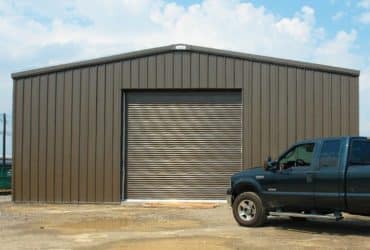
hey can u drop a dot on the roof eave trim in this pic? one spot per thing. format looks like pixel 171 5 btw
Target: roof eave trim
pixel 184 47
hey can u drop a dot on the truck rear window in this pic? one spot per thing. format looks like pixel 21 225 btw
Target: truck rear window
pixel 360 153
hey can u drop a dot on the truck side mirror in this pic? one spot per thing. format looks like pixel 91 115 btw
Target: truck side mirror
pixel 268 163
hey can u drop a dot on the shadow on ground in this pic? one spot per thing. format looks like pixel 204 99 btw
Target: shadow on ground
pixel 347 227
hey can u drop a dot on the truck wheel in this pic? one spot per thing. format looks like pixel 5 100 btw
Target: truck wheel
pixel 248 210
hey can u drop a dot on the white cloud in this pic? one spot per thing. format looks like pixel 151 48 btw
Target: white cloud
pixel 116 26
pixel 338 51
pixel 364 18
pixel 365 80
pixel 337 16
pixel 37 33
pixel 364 4
pixel 298 27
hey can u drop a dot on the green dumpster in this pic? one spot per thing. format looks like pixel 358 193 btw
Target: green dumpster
pixel 5 175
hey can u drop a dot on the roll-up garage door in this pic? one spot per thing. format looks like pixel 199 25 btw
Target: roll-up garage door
pixel 182 145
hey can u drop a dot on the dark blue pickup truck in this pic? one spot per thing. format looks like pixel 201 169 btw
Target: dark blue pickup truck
pixel 313 179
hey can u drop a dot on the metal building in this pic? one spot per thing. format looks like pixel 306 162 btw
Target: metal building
pixel 168 122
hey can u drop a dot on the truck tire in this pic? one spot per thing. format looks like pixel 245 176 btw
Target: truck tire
pixel 248 210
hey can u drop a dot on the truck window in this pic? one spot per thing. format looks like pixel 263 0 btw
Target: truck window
pixel 360 153
pixel 329 156
pixel 299 156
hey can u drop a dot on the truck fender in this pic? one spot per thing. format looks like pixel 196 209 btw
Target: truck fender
pixel 246 185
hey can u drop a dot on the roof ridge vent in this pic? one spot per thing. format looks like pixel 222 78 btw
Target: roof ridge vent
pixel 180 47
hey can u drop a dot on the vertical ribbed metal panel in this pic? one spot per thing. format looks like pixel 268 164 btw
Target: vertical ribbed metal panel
pixel 220 72
pixel 212 71
pixel 177 68
pixel 50 162
pixel 92 122
pixel 160 71
pixel 107 175
pixel 318 104
pixel 274 111
pixel 182 145
pixel 84 136
pixel 35 118
pixel 326 109
pixel 335 105
pixel 75 135
pixel 43 146
pixel 152 72
pixel 27 134
pixel 168 76
pixel 117 122
pixel 186 69
pixel 309 100
pixel 256 113
pixel 247 114
pixel 292 106
pixel 67 124
pixel 17 147
pixel 300 105
pixel 354 105
pixel 67 137
pixel 203 71
pixel 265 110
pixel 59 134
pixel 283 110
pixel 100 135
pixel 195 78
pixel 344 102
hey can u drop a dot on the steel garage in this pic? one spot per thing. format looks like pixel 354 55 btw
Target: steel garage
pixel 167 123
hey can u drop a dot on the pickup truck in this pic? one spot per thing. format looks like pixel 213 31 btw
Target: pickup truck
pixel 318 178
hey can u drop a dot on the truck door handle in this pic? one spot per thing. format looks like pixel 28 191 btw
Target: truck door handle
pixel 309 176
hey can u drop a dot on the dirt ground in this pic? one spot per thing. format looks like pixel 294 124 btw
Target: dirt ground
pixel 155 226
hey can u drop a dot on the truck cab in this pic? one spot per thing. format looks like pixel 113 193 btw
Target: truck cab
pixel 313 178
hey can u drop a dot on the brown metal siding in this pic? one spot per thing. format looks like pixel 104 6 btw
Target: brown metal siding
pixel 68 123
pixel 108 135
pixel 26 146
pixel 59 137
pixel 274 110
pixel 75 134
pixel 34 165
pixel 67 133
pixel 50 139
pixel 18 139
pixel 116 152
pixel 84 135
pixel 247 114
pixel 91 153
pixel 283 111
pixel 100 135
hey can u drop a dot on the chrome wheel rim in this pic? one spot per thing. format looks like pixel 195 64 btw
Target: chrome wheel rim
pixel 247 210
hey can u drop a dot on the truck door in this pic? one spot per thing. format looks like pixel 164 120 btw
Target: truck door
pixel 294 186
pixel 329 176
pixel 358 177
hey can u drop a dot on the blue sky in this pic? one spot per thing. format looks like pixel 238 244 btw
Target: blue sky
pixel 40 33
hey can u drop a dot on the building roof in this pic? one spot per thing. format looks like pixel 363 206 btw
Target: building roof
pixel 186 47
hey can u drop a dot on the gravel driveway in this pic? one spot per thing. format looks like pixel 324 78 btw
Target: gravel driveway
pixel 166 226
